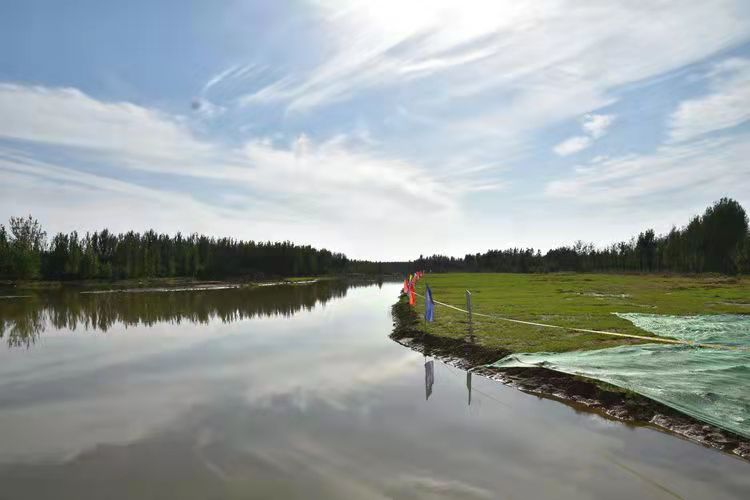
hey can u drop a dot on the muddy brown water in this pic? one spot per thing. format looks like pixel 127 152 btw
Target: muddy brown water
pixel 293 392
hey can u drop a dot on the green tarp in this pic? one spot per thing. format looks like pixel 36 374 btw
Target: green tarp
pixel 712 385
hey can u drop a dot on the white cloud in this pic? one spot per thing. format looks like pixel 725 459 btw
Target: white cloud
pixel 701 170
pixel 597 125
pixel 573 145
pixel 478 79
pixel 67 117
pixel 234 75
pixel 491 75
pixel 514 65
pixel 219 77
pixel 141 138
pixel 69 199
pixel 469 47
pixel 727 105
pixel 333 193
pixel 593 125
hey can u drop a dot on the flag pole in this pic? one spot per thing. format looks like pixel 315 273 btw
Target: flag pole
pixel 424 332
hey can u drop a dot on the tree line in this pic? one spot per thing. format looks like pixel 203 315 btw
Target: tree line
pixel 25 253
pixel 717 241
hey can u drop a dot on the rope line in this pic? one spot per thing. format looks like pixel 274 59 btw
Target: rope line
pixel 586 330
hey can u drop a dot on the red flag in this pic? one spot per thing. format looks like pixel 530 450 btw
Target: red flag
pixel 412 297
pixel 406 286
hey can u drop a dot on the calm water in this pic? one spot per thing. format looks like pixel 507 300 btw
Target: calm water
pixel 293 392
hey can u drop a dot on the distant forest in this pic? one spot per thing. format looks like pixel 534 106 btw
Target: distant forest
pixel 717 241
pixel 26 254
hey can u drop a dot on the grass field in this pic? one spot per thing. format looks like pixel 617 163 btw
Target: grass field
pixel 571 300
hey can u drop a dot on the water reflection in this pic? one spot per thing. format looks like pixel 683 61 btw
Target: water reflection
pixel 429 378
pixel 24 318
pixel 321 404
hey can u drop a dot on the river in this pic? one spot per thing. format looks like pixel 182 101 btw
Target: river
pixel 293 391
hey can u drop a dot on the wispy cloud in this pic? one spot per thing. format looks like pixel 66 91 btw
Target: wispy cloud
pixel 377 111
pixel 338 180
pixel 726 105
pixel 219 77
pixel 594 125
pixel 702 169
pixel 597 125
pixel 68 117
pixel 492 75
pixel 231 77
pixel 573 145
pixel 68 199
pixel 473 47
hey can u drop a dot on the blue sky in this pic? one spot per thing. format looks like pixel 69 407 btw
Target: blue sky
pixel 382 129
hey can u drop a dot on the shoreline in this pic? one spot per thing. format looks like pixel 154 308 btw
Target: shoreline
pixel 181 282
pixel 578 392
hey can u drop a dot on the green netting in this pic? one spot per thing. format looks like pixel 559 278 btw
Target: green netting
pixel 712 385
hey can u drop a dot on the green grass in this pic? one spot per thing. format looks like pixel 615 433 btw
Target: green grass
pixel 572 300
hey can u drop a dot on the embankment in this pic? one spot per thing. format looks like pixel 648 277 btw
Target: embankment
pixel 578 392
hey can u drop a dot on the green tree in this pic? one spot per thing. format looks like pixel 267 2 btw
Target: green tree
pixel 646 249
pixel 27 242
pixel 725 226
pixel 5 254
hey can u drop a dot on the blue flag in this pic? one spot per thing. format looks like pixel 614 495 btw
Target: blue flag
pixel 429 306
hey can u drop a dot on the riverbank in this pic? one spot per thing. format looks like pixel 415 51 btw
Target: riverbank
pixel 450 338
pixel 167 283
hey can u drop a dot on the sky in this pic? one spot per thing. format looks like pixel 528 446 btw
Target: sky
pixel 384 129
